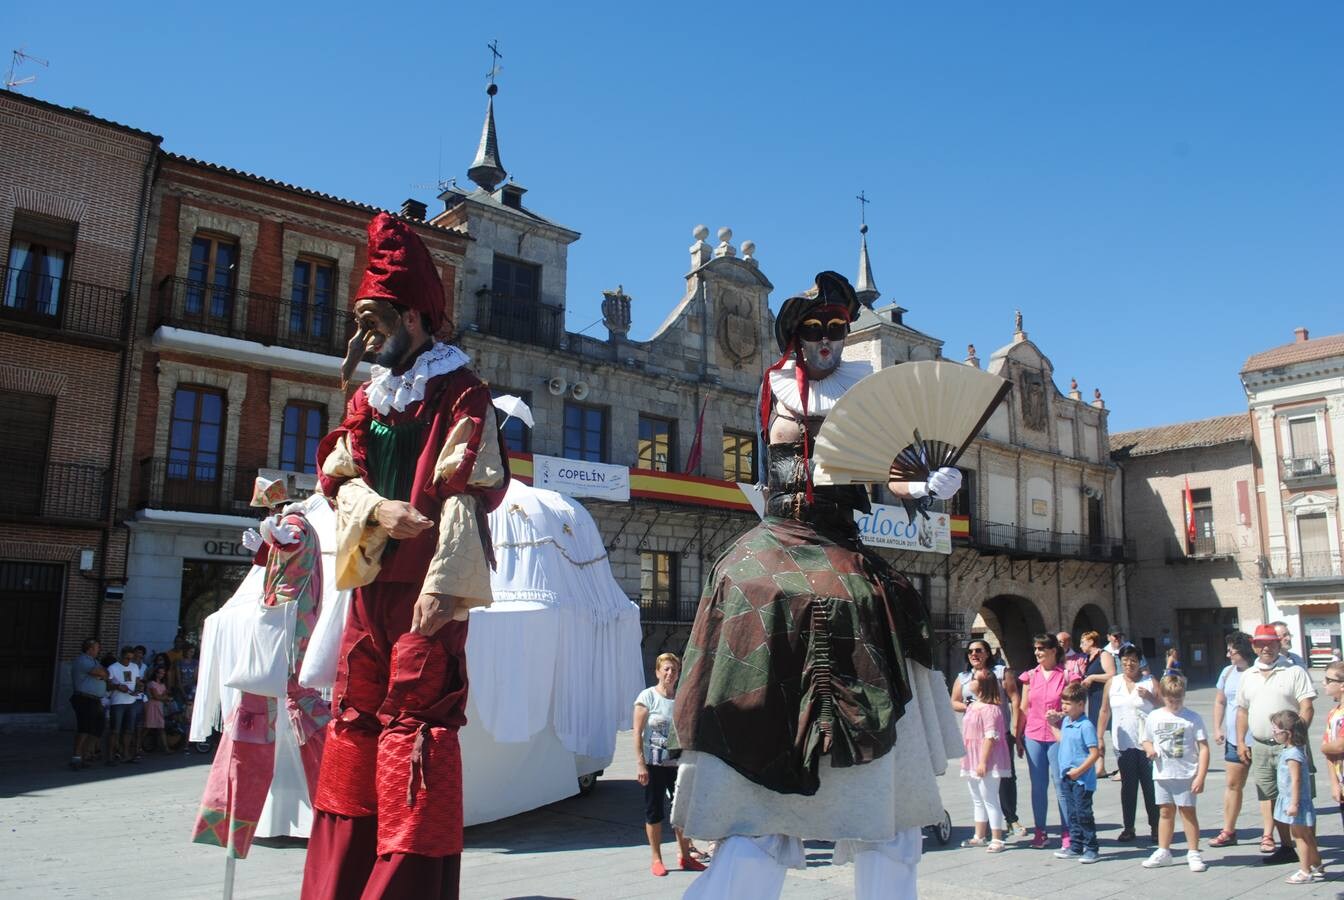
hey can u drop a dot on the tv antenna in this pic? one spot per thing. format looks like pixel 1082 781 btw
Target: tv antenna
pixel 18 58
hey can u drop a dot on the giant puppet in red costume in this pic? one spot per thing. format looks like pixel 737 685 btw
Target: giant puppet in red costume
pixel 412 470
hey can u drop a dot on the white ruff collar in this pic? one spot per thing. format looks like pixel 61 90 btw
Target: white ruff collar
pixel 386 391
pixel 821 395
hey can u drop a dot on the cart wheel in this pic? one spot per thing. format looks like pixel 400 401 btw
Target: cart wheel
pixel 943 830
pixel 587 783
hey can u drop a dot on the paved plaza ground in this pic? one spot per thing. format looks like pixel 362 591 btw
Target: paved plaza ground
pixel 124 832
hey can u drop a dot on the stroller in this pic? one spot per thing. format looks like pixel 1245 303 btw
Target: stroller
pixel 941 830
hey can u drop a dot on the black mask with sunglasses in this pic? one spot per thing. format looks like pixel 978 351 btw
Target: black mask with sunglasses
pixel 814 330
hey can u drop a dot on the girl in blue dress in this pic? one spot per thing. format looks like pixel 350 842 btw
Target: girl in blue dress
pixel 1293 806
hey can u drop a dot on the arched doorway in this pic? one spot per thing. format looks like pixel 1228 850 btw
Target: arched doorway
pixel 1090 618
pixel 1014 621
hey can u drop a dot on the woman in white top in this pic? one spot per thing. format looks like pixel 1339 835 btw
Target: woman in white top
pixel 1129 698
pixel 656 766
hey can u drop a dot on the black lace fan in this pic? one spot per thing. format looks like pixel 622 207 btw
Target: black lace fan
pixel 902 422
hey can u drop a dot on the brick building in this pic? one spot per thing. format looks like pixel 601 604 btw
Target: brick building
pixel 1296 397
pixel 1197 570
pixel 72 217
pixel 247 289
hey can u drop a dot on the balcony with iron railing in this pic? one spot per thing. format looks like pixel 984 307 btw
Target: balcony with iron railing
pixel 43 304
pixel 1208 547
pixel 522 320
pixel 65 491
pixel 1320 565
pixel 1037 543
pixel 184 486
pixel 1310 467
pixel 249 316
pixel 667 610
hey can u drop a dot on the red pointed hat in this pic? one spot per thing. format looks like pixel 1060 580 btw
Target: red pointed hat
pixel 401 270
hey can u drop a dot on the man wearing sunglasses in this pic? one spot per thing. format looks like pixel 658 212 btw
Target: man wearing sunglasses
pixel 799 711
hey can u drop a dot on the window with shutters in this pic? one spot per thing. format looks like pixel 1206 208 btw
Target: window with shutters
pixel 211 277
pixel 1315 558
pixel 1304 456
pixel 195 441
pixel 1201 509
pixel 24 442
pixel 311 298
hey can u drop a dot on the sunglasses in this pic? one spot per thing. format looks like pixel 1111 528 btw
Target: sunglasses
pixel 1329 680
pixel 980 651
pixel 814 330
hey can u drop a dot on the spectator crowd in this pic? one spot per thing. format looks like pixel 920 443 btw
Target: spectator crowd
pixel 132 703
pixel 1061 716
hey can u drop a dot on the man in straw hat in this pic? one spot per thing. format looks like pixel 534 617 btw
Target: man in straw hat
pixel 1271 685
pixel 412 471
pixel 808 645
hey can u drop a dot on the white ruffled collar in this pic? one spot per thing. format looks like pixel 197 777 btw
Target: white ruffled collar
pixel 821 395
pixel 387 391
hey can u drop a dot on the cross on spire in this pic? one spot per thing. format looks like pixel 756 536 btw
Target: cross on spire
pixel 863 202
pixel 495 57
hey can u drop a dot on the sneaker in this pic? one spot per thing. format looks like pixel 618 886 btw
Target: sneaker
pixel 1125 836
pixel 1040 840
pixel 1065 842
pixel 1066 854
pixel 1089 856
pixel 1159 858
pixel 1281 856
pixel 1195 861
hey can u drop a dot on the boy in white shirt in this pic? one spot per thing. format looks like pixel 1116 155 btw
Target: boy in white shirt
pixel 1175 740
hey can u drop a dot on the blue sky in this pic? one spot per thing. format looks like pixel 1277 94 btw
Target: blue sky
pixel 1157 186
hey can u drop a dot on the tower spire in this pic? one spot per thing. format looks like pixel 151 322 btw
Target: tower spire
pixel 486 170
pixel 864 286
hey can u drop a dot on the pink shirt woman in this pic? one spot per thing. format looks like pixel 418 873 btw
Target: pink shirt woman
pixel 1046 686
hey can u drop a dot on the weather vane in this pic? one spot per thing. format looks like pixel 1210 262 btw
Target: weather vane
pixel 496 56
pixel 863 202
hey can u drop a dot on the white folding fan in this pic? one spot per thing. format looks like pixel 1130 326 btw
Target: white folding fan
pixel 902 422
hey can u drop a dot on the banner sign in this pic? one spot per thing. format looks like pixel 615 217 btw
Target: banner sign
pixel 578 478
pixel 888 526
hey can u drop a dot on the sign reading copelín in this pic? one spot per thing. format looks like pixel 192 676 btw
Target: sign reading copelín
pixel 578 478
pixel 889 526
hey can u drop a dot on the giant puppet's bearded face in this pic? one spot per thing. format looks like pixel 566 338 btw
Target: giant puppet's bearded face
pixel 821 341
pixel 384 331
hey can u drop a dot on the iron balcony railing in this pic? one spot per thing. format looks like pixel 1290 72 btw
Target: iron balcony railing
pixel 1054 544
pixel 249 316
pixel 62 304
pixel 525 321
pixel 1318 565
pixel 1316 465
pixel 667 609
pixel 1208 546
pixel 196 487
pixel 58 491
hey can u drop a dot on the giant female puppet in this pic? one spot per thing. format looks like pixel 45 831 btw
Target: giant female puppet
pixel 412 470
pixel 808 708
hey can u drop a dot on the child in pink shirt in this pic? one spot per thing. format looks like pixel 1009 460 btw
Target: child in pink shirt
pixel 985 736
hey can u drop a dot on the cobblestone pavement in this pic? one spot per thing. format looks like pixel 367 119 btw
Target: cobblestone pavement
pixel 66 834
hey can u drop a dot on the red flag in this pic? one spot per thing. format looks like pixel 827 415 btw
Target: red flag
pixel 693 458
pixel 1189 512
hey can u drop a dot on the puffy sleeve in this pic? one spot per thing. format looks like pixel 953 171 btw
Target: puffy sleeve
pixel 468 465
pixel 359 545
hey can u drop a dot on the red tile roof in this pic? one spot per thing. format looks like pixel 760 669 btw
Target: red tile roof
pixel 1182 436
pixel 1296 352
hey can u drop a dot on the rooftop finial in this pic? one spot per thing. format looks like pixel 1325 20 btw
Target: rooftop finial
pixel 864 287
pixel 487 171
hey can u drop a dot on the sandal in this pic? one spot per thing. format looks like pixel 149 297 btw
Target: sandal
pixel 996 847
pixel 1301 876
pixel 972 842
pixel 1267 844
pixel 1225 838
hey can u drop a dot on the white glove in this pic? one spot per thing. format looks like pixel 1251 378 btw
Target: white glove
pixel 273 532
pixel 252 540
pixel 942 484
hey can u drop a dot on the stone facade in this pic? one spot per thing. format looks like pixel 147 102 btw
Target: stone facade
pixel 77 187
pixel 1296 398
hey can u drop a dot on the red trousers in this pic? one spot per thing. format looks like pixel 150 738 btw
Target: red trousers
pixel 388 806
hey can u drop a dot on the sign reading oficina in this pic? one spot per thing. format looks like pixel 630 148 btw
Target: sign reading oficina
pixel 579 478
pixel 889 526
